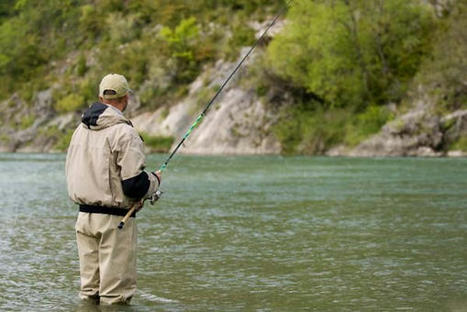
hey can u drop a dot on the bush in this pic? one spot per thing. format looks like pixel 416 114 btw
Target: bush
pixel 81 67
pixel 353 54
pixel 69 103
pixel 27 121
pixel 311 132
pixel 159 144
pixel 182 42
pixel 242 36
pixel 444 73
pixel 367 123
pixel 460 144
pixel 307 129
pixel 90 23
pixel 63 140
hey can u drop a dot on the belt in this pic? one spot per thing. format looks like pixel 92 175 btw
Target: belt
pixel 105 210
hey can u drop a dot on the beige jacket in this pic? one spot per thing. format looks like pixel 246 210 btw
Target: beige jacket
pixel 105 161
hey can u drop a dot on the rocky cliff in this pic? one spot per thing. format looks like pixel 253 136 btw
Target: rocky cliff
pixel 419 132
pixel 237 123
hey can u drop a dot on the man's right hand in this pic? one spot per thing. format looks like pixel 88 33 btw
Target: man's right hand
pixel 154 194
pixel 158 175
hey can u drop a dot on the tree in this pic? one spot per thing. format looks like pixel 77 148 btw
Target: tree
pixel 353 52
pixel 181 42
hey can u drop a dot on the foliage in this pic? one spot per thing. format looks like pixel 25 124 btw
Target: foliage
pixel 314 131
pixel 157 143
pixel 242 36
pixel 140 38
pixel 81 67
pixel 460 144
pixel 353 53
pixel 69 103
pixel 310 132
pixel 63 140
pixel 27 121
pixel 181 43
pixel 444 73
pixel 367 123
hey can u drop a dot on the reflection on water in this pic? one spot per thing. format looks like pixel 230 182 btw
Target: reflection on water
pixel 253 233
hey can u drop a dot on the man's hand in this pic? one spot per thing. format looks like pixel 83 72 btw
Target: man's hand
pixel 158 174
pixel 154 196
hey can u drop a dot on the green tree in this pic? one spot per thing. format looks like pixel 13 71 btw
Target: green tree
pixel 353 52
pixel 182 42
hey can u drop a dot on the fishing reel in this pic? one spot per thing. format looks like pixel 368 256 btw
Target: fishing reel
pixel 155 196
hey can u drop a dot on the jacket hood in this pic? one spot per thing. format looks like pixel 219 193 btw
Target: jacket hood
pixel 99 116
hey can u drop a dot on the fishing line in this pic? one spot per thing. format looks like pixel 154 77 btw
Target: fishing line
pixel 219 91
pixel 200 117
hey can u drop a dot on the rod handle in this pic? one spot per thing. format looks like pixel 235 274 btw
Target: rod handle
pixel 129 213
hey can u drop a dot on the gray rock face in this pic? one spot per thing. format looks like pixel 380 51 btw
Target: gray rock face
pixel 237 123
pixel 19 139
pixel 455 125
pixel 416 133
pixel 411 135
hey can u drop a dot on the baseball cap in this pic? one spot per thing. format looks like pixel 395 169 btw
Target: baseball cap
pixel 116 83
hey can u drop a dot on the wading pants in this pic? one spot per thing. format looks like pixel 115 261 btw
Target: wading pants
pixel 107 257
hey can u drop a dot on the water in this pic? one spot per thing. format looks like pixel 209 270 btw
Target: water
pixel 254 234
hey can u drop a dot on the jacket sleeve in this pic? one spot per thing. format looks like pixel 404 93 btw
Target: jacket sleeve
pixel 136 183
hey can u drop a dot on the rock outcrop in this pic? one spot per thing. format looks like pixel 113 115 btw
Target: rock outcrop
pixel 237 123
pixel 419 132
pixel 15 112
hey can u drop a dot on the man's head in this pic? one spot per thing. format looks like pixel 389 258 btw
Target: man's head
pixel 113 90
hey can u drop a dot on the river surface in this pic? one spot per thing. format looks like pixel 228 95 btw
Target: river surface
pixel 253 234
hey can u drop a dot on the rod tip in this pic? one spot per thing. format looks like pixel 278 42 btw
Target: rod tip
pixel 120 226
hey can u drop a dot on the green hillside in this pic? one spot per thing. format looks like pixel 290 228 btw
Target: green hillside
pixel 162 44
pixel 345 63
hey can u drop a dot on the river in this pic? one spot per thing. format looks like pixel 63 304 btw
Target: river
pixel 253 233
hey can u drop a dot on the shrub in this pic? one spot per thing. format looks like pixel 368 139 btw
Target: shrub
pixel 314 131
pixel 353 53
pixel 311 132
pixel 367 123
pixel 69 103
pixel 182 42
pixel 81 67
pixel 444 73
pixel 63 140
pixel 27 121
pixel 160 144
pixel 242 36
pixel 460 144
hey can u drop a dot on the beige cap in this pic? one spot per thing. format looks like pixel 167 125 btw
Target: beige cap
pixel 116 83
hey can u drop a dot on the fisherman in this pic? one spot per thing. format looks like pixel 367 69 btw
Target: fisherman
pixel 105 177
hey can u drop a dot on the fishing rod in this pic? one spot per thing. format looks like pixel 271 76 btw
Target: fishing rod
pixel 200 117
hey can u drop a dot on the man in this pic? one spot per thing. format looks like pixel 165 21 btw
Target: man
pixel 105 176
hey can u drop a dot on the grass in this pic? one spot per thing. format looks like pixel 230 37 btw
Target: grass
pixel 27 121
pixel 158 144
pixel 63 140
pixel 460 144
pixel 315 131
